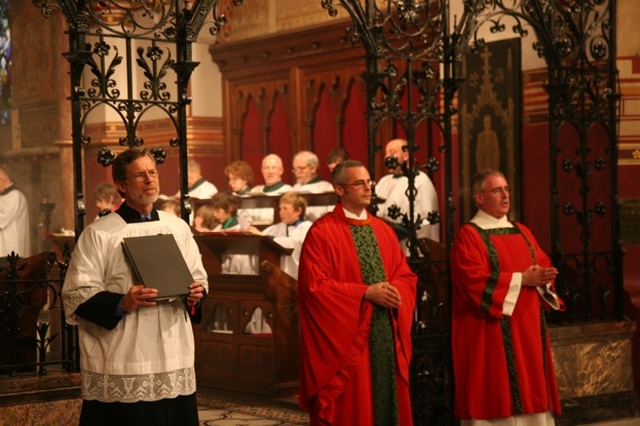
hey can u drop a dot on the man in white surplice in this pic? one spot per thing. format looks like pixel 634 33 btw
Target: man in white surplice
pixel 305 168
pixel 393 189
pixel 272 170
pixel 14 219
pixel 136 355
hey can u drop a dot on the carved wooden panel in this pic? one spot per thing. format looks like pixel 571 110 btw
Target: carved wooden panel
pixel 630 221
pixel 292 92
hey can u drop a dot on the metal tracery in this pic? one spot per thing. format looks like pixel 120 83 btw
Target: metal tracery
pixel 147 45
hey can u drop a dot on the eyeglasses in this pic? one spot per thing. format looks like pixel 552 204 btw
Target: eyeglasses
pixel 142 176
pixel 498 190
pixel 299 169
pixel 360 184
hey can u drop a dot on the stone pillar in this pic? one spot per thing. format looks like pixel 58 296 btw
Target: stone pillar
pixel 39 113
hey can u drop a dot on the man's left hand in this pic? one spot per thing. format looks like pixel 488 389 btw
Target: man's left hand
pixel 196 293
pixel 383 294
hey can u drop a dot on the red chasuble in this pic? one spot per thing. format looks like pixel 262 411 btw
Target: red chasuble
pixel 502 365
pixel 335 375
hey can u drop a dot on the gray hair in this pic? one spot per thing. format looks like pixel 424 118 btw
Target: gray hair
pixel 477 183
pixel 339 174
pixel 310 157
pixel 193 166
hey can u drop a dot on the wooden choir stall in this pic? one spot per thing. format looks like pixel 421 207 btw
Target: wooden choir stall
pixel 248 338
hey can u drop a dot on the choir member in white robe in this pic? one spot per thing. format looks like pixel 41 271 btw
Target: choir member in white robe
pixel 225 210
pixel 291 231
pixel 305 169
pixel 199 187
pixel 272 170
pixel 393 189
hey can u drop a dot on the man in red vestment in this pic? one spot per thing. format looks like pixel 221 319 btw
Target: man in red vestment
pixel 502 359
pixel 356 296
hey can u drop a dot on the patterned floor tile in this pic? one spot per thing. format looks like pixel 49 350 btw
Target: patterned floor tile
pixel 235 409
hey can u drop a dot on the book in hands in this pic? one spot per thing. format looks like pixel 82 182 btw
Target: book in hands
pixel 157 262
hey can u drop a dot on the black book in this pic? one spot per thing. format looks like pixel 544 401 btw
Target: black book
pixel 157 262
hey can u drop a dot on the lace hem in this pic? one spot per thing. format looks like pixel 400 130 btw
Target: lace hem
pixel 146 387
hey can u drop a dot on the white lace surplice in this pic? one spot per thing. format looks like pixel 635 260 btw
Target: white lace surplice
pixel 149 355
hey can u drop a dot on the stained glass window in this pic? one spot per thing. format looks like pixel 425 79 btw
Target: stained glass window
pixel 5 64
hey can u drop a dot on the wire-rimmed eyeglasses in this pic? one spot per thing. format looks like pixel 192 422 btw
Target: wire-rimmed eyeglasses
pixel 299 169
pixel 359 184
pixel 142 176
pixel 498 190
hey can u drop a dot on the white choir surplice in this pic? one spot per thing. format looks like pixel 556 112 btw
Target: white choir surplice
pixel 260 189
pixel 14 224
pixel 290 236
pixel 316 186
pixel 203 190
pixel 265 216
pixel 149 355
pixel 393 188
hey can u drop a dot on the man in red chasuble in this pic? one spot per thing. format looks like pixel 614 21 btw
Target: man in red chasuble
pixel 502 281
pixel 356 297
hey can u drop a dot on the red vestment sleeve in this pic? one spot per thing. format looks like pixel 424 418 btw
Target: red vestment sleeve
pixel 473 268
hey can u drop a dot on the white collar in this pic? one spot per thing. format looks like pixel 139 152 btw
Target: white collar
pixel 348 214
pixel 486 221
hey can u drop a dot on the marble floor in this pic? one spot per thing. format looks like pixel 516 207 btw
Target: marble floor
pixel 218 408
pixel 215 409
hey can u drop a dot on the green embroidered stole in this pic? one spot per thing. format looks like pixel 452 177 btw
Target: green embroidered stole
pixel 381 343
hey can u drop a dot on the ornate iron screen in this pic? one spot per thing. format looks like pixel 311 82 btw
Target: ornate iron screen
pixel 132 59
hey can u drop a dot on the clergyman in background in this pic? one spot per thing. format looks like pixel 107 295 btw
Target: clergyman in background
pixel 14 218
pixel 272 170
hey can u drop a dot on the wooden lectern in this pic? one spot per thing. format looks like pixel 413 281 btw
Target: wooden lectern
pixel 61 244
pixel 248 338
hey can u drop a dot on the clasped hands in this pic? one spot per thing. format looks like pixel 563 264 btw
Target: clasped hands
pixel 536 275
pixel 139 296
pixel 383 294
